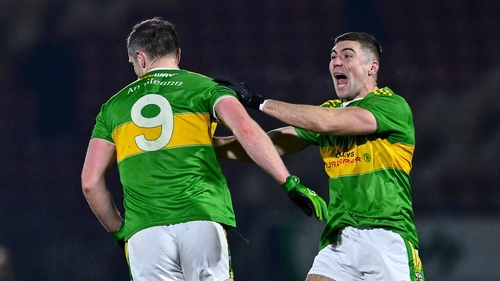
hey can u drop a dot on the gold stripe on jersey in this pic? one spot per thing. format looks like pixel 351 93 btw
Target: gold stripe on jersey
pixel 360 159
pixel 189 129
pixel 214 127
pixel 417 263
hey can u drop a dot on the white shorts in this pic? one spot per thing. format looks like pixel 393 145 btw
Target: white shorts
pixel 369 254
pixel 191 251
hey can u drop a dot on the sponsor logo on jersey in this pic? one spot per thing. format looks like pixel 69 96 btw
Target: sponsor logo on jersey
pixel 342 161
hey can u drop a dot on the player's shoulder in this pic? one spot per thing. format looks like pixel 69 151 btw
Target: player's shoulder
pixel 385 100
pixel 125 91
pixel 385 92
pixel 200 78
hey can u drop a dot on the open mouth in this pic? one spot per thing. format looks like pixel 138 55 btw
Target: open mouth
pixel 341 79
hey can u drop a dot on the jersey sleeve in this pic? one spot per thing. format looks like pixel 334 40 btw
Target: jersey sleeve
pixel 393 115
pixel 308 136
pixel 218 93
pixel 101 128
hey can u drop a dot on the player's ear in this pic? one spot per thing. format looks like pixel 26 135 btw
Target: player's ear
pixel 373 68
pixel 179 56
pixel 141 58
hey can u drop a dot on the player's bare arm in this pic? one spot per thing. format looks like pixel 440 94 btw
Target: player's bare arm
pixel 261 150
pixel 285 140
pixel 101 155
pixel 228 147
pixel 251 137
pixel 337 121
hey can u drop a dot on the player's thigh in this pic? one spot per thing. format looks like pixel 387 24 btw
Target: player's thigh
pixel 316 277
pixel 367 254
pixel 204 251
pixel 153 254
pixel 195 250
pixel 386 255
pixel 336 262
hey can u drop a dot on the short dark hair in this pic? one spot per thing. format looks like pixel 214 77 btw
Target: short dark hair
pixel 367 42
pixel 156 37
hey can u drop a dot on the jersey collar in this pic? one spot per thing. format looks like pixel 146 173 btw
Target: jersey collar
pixel 346 103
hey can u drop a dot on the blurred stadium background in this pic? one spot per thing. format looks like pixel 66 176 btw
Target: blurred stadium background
pixel 60 60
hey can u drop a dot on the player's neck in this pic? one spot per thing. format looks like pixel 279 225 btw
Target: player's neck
pixel 169 63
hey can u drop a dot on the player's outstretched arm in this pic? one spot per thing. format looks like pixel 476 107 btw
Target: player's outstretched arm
pixel 247 97
pixel 285 140
pixel 261 150
pixel 228 147
pixel 337 121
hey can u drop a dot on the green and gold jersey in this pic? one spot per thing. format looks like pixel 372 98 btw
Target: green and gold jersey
pixel 162 127
pixel 370 174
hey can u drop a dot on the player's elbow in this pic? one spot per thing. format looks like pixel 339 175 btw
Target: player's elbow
pixel 247 130
pixel 87 188
pixel 89 183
